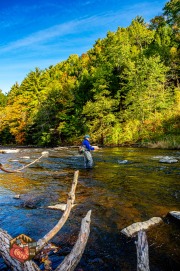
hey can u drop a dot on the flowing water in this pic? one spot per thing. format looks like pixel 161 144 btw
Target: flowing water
pixel 126 185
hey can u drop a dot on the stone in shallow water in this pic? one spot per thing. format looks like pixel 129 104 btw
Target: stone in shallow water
pixel 175 214
pixel 123 161
pixel 168 159
pixel 16 196
pixel 9 151
pixel 135 227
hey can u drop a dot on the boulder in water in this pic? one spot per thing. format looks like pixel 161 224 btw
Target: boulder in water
pixel 168 159
pixel 9 151
pixel 122 161
pixel 175 214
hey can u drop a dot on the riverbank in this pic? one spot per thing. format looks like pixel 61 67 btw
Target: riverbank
pixel 166 143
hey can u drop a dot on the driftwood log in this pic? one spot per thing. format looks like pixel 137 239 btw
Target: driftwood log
pixel 43 154
pixel 142 252
pixel 70 261
pixel 7 170
pixel 136 227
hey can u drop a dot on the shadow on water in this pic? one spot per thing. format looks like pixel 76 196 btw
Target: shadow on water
pixel 126 185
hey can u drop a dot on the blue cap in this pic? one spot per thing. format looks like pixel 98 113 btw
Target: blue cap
pixel 86 136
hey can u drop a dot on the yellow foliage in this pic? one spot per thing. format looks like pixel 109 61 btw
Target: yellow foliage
pixel 173 51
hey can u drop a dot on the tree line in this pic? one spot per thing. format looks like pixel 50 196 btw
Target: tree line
pixel 122 91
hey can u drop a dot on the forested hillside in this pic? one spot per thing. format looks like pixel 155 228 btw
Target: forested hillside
pixel 124 90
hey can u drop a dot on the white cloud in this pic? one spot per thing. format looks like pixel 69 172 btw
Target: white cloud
pixel 81 25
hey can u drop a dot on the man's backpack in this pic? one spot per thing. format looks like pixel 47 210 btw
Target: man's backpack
pixel 81 149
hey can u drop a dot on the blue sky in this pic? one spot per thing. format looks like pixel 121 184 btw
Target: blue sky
pixel 40 33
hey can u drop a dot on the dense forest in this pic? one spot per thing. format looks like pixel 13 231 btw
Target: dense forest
pixel 124 90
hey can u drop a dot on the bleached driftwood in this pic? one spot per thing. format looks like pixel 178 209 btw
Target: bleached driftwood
pixel 135 227
pixel 43 154
pixel 142 252
pixel 59 206
pixel 6 170
pixel 70 261
pixel 61 222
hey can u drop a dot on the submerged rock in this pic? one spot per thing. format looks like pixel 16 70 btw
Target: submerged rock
pixel 135 227
pixel 168 159
pixel 28 201
pixel 122 161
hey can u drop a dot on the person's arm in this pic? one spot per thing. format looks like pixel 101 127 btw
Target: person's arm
pixel 95 147
pixel 88 145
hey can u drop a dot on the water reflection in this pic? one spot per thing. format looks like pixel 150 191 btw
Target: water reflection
pixel 127 185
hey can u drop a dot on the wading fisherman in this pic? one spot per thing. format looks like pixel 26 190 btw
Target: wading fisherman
pixel 88 160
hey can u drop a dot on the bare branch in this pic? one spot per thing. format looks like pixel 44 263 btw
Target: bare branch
pixel 71 198
pixel 7 170
pixel 70 261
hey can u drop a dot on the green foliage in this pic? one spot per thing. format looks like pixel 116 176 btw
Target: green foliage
pixel 123 90
pixel 172 12
pixel 3 99
pixel 146 92
pixel 99 115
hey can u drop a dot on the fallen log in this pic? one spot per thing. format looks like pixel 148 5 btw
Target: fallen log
pixel 70 202
pixel 142 252
pixel 70 262
pixel 43 154
pixel 7 170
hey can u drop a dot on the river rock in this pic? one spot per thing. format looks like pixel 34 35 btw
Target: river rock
pixel 123 161
pixel 168 159
pixel 135 227
pixel 9 151
pixel 175 214
pixel 16 196
pixel 32 202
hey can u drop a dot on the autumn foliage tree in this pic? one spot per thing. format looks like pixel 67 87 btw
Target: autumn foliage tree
pixel 125 89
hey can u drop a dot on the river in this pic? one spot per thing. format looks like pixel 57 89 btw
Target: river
pixel 126 185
